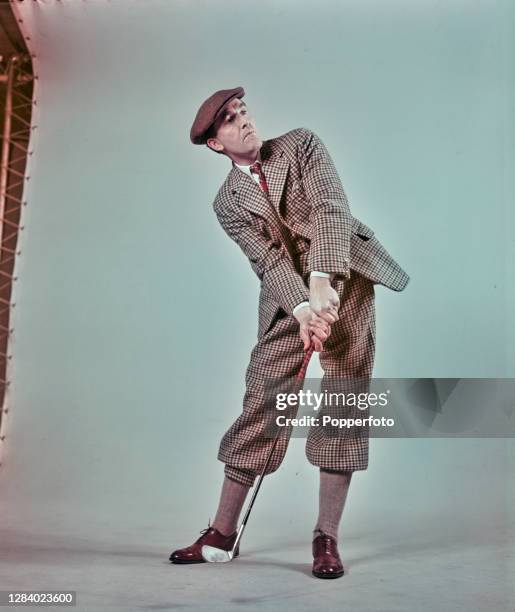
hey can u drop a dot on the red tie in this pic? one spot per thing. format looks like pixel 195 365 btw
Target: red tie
pixel 256 169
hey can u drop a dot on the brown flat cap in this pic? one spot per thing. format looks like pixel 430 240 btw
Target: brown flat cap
pixel 209 110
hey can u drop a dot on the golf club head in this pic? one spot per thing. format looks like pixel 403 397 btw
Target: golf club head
pixel 216 555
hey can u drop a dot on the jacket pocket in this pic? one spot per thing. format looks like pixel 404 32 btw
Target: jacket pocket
pixel 362 230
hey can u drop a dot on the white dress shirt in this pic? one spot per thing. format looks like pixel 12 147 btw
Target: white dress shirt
pixel 246 169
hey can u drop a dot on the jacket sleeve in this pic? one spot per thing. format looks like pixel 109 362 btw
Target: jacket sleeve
pixel 330 218
pixel 269 260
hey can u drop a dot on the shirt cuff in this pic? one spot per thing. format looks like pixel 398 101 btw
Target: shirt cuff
pixel 321 274
pixel 299 306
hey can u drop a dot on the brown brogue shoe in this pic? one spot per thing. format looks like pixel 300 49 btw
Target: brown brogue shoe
pixel 211 537
pixel 326 559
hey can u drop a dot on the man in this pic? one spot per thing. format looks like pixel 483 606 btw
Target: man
pixel 283 204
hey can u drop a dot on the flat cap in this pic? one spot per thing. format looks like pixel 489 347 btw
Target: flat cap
pixel 209 111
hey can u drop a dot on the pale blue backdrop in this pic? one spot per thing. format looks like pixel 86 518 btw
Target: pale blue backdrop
pixel 135 314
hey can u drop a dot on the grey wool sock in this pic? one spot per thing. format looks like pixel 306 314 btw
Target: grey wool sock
pixel 334 486
pixel 231 502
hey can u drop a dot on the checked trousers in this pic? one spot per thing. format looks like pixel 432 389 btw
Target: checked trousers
pixel 348 354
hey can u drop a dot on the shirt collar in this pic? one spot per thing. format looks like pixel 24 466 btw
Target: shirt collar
pixel 246 169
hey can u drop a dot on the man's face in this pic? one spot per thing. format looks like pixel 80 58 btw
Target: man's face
pixel 236 133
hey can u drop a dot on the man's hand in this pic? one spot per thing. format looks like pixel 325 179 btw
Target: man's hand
pixel 312 328
pixel 323 299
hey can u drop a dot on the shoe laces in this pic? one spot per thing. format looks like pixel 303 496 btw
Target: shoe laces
pixel 204 531
pixel 327 540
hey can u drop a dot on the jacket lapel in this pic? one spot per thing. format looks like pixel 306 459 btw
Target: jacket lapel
pixel 248 194
pixel 275 167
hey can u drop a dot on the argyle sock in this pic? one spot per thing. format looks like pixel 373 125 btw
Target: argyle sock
pixel 231 502
pixel 332 495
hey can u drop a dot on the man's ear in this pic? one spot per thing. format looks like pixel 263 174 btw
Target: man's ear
pixel 214 144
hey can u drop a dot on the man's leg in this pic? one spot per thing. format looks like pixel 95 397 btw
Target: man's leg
pixel 347 361
pixel 231 502
pixel 334 486
pixel 245 446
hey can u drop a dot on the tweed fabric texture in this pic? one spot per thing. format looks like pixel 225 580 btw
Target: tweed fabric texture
pixel 302 224
pixel 307 197
pixel 348 353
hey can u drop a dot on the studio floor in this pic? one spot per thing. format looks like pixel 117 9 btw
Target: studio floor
pixel 439 566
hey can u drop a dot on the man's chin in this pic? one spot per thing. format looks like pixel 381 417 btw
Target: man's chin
pixel 254 141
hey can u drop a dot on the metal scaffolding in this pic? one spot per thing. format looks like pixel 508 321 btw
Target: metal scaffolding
pixel 16 89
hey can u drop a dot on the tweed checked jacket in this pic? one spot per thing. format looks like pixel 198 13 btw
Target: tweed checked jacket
pixel 304 225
